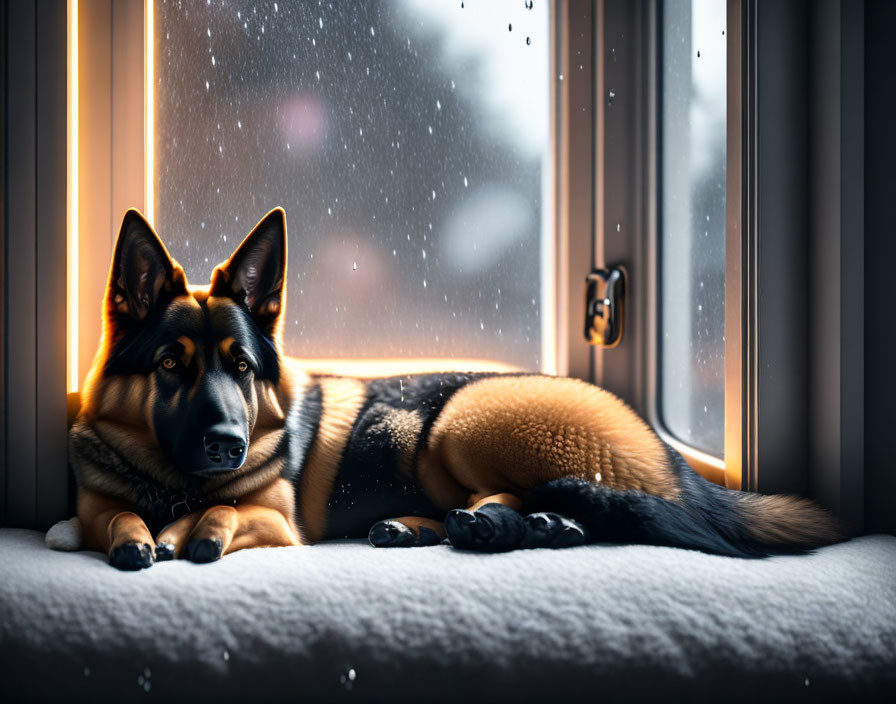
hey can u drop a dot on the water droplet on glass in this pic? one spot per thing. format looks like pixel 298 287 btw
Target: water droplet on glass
pixel 806 682
pixel 438 105
pixel 466 183
pixel 707 218
pixel 372 33
pixel 433 195
pixel 561 76
pixel 453 85
pixel 225 654
pixel 597 477
pixel 320 21
pixel 611 96
pixel 239 124
pixel 618 227
pixel 698 54
pixel 528 41
pixel 424 283
pixel 423 252
pixel 354 266
pixel 510 28
pixel 206 86
pixel 430 129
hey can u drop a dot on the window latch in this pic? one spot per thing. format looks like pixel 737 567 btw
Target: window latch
pixel 604 293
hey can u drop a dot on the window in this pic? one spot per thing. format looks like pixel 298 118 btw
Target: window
pixel 410 143
pixel 692 223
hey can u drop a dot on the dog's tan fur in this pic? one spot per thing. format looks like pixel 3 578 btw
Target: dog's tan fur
pixel 508 434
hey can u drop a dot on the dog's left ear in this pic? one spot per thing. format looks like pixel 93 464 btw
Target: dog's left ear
pixel 255 274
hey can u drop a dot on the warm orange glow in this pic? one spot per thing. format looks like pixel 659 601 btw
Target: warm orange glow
pixel 369 368
pixel 706 465
pixel 149 205
pixel 71 333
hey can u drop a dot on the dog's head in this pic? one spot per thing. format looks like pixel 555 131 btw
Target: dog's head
pixel 187 364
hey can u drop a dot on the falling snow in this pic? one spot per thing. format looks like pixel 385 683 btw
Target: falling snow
pixel 409 192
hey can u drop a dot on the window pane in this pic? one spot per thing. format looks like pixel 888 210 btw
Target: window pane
pixel 692 343
pixel 409 143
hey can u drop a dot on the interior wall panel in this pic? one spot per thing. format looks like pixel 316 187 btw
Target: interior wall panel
pixel 21 251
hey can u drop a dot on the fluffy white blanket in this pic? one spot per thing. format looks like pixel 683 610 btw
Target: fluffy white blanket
pixel 346 621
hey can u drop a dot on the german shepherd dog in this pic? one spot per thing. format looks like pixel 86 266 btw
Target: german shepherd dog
pixel 197 430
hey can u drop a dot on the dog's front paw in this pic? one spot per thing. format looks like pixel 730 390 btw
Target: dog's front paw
pixel 203 550
pixel 131 556
pixel 164 552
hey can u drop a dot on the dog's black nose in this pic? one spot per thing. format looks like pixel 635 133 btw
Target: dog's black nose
pixel 225 450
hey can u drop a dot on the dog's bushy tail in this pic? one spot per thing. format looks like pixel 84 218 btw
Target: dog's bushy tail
pixel 708 517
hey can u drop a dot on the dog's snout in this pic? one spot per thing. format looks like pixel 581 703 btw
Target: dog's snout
pixel 225 449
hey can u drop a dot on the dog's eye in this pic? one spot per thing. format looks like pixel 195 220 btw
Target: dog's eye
pixel 169 362
pixel 242 366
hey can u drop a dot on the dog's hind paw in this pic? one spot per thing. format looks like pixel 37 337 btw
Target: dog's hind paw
pixel 395 534
pixel 203 550
pixel 391 534
pixel 491 528
pixel 551 530
pixel 131 556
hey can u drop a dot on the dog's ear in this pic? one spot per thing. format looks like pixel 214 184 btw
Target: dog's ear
pixel 143 274
pixel 255 274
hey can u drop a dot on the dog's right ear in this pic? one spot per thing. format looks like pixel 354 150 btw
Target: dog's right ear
pixel 143 276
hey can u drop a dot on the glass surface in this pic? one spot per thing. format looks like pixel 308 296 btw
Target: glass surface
pixel 409 143
pixel 692 242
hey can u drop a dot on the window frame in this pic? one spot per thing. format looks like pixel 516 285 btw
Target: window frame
pixel 626 231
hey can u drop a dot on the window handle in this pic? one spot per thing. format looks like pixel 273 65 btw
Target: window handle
pixel 604 294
